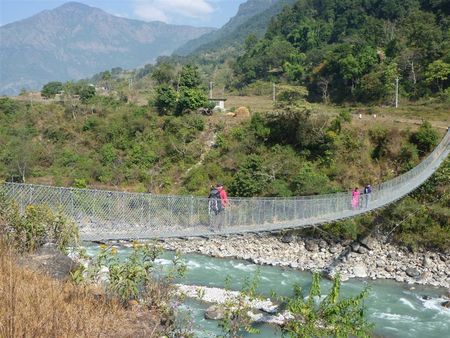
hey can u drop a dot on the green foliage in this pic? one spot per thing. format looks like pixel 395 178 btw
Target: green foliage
pixel 108 153
pixel 251 179
pixel 379 136
pixel 438 73
pixel 164 73
pixel 426 138
pixel 191 99
pixel 86 92
pixel 36 226
pixel 8 106
pixel 259 126
pixel 236 320
pixel 408 156
pixel 332 316
pixel 420 224
pixel 290 95
pixel 189 77
pixel 136 277
pixel 188 95
pixel 311 182
pixel 80 183
pixel 352 50
pixel 50 89
pixel 166 99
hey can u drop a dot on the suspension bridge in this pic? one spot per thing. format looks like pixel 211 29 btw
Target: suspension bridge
pixel 106 215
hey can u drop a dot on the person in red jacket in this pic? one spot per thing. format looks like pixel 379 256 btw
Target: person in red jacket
pixel 223 196
pixel 221 203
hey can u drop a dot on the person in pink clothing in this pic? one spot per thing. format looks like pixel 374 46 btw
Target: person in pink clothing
pixel 355 198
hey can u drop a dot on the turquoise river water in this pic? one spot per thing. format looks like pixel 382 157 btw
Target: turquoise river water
pixel 396 309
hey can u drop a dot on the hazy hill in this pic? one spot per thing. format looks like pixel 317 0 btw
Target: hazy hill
pixel 75 41
pixel 253 16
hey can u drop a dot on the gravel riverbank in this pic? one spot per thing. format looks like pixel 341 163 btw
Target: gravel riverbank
pixel 368 258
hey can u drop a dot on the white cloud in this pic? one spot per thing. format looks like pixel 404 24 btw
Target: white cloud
pixel 163 10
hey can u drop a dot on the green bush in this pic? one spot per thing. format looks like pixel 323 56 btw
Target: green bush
pixel 329 316
pixel 426 138
pixel 36 226
pixel 166 100
pixel 309 181
pixel 51 89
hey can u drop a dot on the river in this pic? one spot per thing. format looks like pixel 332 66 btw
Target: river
pixel 396 309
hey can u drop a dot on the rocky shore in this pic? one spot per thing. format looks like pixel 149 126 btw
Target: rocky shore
pixel 369 258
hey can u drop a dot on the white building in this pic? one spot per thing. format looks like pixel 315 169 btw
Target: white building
pixel 219 104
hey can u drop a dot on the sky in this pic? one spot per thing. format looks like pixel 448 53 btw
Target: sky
pixel 211 13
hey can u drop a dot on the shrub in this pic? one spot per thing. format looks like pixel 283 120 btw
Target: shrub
pixel 51 89
pixel 426 138
pixel 191 99
pixel 166 100
pixel 315 316
pixel 36 226
pixel 309 181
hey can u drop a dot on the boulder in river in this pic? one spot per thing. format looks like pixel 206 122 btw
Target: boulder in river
pixel 412 272
pixel 214 312
pixel 360 270
pixel 446 304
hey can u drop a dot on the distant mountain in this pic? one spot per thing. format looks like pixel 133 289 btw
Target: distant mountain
pixel 75 41
pixel 253 16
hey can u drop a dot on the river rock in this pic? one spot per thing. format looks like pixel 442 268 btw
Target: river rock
pixel 446 304
pixel 427 262
pixel 368 242
pixel 393 255
pixel 333 249
pixel 362 250
pixel 255 317
pixel 323 244
pixel 412 272
pixel 214 312
pixel 355 247
pixel 360 270
pixel 311 246
pixel 287 239
pixel 294 265
pixel 50 260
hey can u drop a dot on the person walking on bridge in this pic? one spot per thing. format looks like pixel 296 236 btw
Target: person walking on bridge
pixel 223 196
pixel 367 192
pixel 355 198
pixel 217 202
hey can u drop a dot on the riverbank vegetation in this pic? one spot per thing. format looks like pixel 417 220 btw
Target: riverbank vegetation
pixel 33 243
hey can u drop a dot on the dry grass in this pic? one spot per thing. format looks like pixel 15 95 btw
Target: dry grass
pixel 407 115
pixel 33 305
pixel 260 104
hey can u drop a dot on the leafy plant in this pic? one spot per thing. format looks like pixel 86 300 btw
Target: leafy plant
pixel 332 316
pixel 36 226
pixel 236 318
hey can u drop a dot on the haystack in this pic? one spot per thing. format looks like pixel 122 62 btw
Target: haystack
pixel 242 112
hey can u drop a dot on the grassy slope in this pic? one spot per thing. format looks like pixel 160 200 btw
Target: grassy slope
pixel 34 305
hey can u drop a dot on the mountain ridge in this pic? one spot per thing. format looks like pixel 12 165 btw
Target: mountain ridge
pixel 75 40
pixel 246 12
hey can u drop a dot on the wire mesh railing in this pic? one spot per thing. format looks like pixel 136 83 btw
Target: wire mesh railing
pixel 102 215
